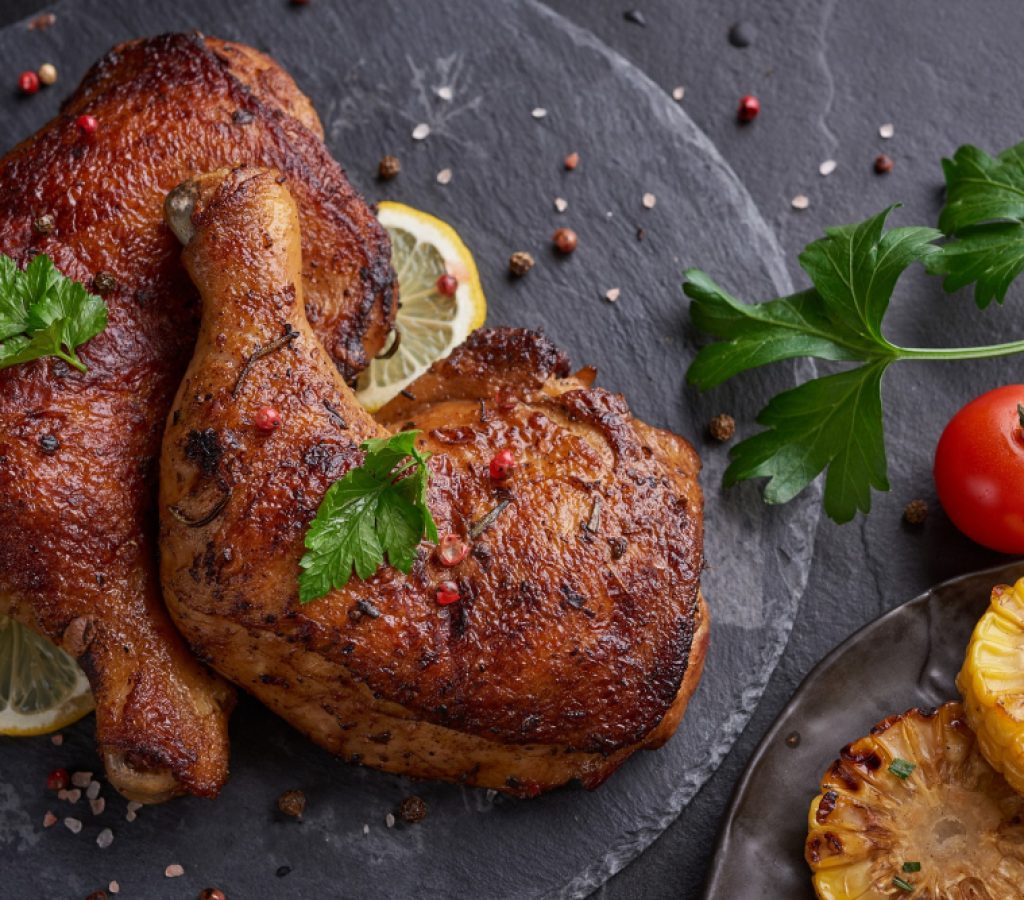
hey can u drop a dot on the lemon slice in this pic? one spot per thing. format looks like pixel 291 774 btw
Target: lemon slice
pixel 42 689
pixel 992 682
pixel 430 324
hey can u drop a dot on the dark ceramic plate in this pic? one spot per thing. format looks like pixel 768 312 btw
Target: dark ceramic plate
pixel 908 657
pixel 374 69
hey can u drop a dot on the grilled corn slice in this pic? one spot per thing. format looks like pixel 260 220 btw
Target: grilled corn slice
pixel 913 810
pixel 992 682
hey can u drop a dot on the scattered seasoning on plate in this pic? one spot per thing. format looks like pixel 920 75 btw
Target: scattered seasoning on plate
pixel 49 820
pixel 48 74
pixel 56 739
pixel 97 895
pixel 366 830
pixel 827 167
pixel 915 512
pixel 539 112
pixel 174 871
pixel 97 806
pixel 612 295
pixel 649 200
pixel 445 93
pixel 501 465
pixel 212 894
pixel 420 132
pixel 28 82
pixel 388 167
pixel 678 93
pixel 565 240
pixel 742 34
pixel 412 809
pixel 81 779
pixel 793 740
pixel 57 780
pixel 74 795
pixel 104 839
pixel 519 263
pixel 41 23
pixel 73 825
pixel 267 419
pixel 571 161
pixel 282 871
pixel 451 550
pixel 883 164
pixel 886 131
pixel 903 885
pixel 800 201
pixel 93 790
pixel 389 820
pixel 447 284
pixel 722 428
pixel 43 224
pixel 901 768
pixel 292 803
pixel 635 17
pixel 748 109
pixel 561 204
pixel 87 125
pixel 114 887
pixel 911 867
pixel 447 593
pixel 444 176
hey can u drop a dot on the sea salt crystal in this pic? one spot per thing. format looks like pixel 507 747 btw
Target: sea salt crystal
pixel 62 794
pixel 49 820
pixel 97 805
pixel 539 112
pixel 114 887
pixel 130 816
pixel 444 176
pixel 649 200
pixel 81 779
pixel 678 93
pixel 420 131
pixel 886 131
pixel 491 794
pixel 445 93
pixel 104 839
pixel 827 167
pixel 57 740
pixel 74 795
pixel 561 204
pixel 134 806
pixel 612 295
pixel 73 825
pixel 389 820
pixel 174 871
pixel 366 829
pixel 93 791
pixel 800 201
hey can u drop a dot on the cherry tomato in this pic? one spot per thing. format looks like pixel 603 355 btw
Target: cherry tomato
pixel 979 469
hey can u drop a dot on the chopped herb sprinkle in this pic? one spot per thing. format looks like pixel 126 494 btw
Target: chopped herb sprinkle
pixel 911 867
pixel 903 885
pixel 901 768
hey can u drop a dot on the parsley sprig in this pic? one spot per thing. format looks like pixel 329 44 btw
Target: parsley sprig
pixel 42 313
pixel 376 509
pixel 832 423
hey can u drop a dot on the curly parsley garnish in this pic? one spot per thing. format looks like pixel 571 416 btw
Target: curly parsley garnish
pixel 42 313
pixel 832 423
pixel 376 509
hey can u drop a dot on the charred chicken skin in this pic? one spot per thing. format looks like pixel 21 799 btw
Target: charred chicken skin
pixel 580 632
pixel 78 451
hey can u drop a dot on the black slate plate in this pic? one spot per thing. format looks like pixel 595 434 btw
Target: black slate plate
pixel 373 68
pixel 909 657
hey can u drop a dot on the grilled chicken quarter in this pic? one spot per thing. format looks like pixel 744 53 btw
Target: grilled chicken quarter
pixel 580 632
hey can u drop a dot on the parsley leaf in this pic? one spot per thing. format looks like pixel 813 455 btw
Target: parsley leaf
pixel 833 422
pixel 377 509
pixel 42 313
pixel 984 211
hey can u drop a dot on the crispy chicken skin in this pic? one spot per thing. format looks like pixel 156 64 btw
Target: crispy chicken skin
pixel 580 634
pixel 77 557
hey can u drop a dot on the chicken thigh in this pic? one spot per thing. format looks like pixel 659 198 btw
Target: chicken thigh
pixel 580 632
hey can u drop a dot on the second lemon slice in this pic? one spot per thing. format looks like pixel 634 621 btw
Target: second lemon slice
pixel 429 323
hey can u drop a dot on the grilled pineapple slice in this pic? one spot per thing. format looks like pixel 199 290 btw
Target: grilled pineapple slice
pixel 992 682
pixel 914 810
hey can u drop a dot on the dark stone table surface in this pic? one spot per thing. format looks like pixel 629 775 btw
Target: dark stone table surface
pixel 828 74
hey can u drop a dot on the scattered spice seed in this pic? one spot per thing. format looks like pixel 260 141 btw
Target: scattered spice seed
pixel 883 164
pixel 635 17
pixel 74 795
pixel 43 224
pixel 73 825
pixel 561 204
pixel 93 791
pixel 886 131
pixel 539 112
pixel 114 887
pixel 519 263
pixel 445 93
pixel 915 512
pixel 212 894
pixel 103 283
pixel 421 131
pixel 800 201
pixel 571 161
pixel 87 125
pixel 678 93
pixel 267 419
pixel 447 285
pixel 49 444
pixel 793 740
pixel 827 167
pixel 292 803
pixel 501 465
pixel 48 74
pixel 97 895
pixel 447 593
pixel 366 830
pixel 444 176
pixel 41 23
pixel 612 295
pixel 134 806
pixel 487 520
pixel 28 82
pixel 131 815
pixel 388 167
pixel 749 108
pixel 451 550
pixel 565 240
pixel 412 810
pixel 282 871
pixel 57 739
pixel 742 34
pixel 49 820
pixel 97 806
pixel 389 820
pixel 57 780
pixel 81 779
pixel 722 427
pixel 104 839
pixel 649 200
pixel 174 871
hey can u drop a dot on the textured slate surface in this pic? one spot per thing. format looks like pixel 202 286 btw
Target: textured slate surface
pixel 372 70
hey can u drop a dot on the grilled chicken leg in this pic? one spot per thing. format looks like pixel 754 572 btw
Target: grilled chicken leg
pixel 78 451
pixel 580 631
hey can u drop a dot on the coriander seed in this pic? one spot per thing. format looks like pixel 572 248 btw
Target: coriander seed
pixel 388 167
pixel 915 512
pixel 519 263
pixel 48 73
pixel 292 803
pixel 722 427
pixel 565 240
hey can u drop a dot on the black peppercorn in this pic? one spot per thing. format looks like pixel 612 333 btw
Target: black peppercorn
pixel 103 283
pixel 722 427
pixel 49 444
pixel 412 810
pixel 519 263
pixel 388 167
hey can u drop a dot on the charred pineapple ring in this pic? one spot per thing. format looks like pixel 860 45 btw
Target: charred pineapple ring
pixel 992 682
pixel 914 810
